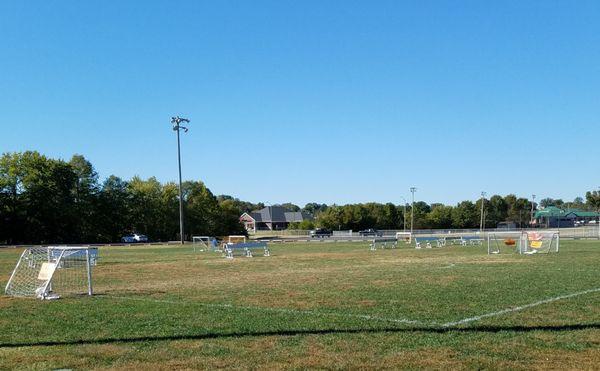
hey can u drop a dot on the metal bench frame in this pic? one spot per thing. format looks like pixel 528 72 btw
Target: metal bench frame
pixel 382 243
pixel 246 247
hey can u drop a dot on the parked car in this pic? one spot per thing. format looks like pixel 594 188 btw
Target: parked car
pixel 320 233
pixel 134 238
pixel 370 233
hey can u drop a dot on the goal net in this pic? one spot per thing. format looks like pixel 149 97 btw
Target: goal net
pixel 543 242
pixel 404 236
pixel 528 243
pixel 54 271
pixel 204 243
pixel 504 242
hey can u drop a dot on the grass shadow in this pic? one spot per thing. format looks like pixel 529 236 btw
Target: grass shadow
pixel 208 336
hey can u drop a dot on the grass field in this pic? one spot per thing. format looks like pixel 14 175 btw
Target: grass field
pixel 317 305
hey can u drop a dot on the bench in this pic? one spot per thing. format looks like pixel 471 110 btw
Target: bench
pixel 246 247
pixel 440 242
pixel 383 243
pixel 454 240
pixel 464 241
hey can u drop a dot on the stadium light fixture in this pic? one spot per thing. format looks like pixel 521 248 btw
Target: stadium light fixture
pixel 177 121
pixel 482 222
pixel 412 209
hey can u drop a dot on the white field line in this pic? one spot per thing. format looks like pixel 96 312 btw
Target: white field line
pixel 519 308
pixel 280 310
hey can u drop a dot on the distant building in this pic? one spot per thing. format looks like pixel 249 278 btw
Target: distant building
pixel 555 217
pixel 272 218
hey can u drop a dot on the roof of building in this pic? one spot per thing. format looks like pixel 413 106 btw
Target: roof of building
pixel 278 214
pixel 555 212
pixel 583 214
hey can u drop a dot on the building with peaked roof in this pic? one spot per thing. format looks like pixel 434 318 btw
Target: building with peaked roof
pixel 555 217
pixel 272 218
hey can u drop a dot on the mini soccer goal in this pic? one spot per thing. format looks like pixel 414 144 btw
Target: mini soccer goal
pixel 53 271
pixel 204 243
pixel 236 239
pixel 404 236
pixel 504 242
pixel 542 242
pixel 527 243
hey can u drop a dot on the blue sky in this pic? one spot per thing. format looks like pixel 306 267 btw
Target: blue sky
pixel 307 101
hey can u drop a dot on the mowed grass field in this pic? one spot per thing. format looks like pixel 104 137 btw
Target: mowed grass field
pixel 319 305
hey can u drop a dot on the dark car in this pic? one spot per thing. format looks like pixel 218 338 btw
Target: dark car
pixel 134 238
pixel 370 233
pixel 320 233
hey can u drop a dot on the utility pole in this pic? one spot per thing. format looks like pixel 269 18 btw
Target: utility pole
pixel 412 210
pixel 482 222
pixel 405 202
pixel 176 121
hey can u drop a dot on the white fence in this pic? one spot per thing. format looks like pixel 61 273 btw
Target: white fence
pixel 586 232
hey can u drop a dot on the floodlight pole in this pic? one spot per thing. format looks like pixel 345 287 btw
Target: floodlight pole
pixel 412 210
pixel 405 202
pixel 481 224
pixel 176 121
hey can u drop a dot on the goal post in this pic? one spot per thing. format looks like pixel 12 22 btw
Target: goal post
pixel 504 242
pixel 236 239
pixel 203 243
pixel 53 271
pixel 523 242
pixel 540 242
pixel 404 236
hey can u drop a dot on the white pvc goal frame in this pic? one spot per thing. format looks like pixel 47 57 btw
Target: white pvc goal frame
pixel 48 272
pixel 404 236
pixel 203 242
pixel 523 242
pixel 503 242
pixel 540 242
pixel 236 239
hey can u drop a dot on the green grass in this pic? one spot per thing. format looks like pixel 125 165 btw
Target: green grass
pixel 314 306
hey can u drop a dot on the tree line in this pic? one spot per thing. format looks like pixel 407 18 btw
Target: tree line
pixel 44 200
pixel 464 215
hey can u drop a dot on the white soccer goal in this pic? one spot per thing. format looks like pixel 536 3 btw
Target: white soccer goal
pixel 540 242
pixel 236 239
pixel 49 272
pixel 528 243
pixel 504 242
pixel 404 236
pixel 204 243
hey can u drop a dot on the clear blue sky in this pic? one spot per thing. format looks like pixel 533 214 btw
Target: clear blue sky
pixel 312 101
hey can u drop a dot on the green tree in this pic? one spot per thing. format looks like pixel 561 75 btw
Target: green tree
pixel 113 216
pixel 440 217
pixel 465 215
pixel 593 199
pixel 86 199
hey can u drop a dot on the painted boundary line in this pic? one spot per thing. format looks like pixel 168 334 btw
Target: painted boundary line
pixel 369 317
pixel 519 308
pixel 280 310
